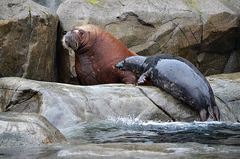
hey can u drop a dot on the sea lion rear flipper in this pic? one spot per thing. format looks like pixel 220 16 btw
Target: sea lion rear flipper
pixel 143 77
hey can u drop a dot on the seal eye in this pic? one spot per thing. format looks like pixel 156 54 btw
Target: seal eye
pixel 120 65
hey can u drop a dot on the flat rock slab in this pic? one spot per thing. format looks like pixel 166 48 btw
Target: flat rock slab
pixel 21 129
pixel 65 105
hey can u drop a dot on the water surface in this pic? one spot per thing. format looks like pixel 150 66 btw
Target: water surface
pixel 126 138
pixel 127 130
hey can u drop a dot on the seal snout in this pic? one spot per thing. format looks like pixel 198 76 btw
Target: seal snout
pixel 120 65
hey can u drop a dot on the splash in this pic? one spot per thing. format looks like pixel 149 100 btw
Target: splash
pixel 133 130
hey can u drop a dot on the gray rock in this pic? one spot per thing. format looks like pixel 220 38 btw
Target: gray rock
pixel 233 64
pixel 27 40
pixel 226 88
pixel 189 28
pixel 65 105
pixel 52 4
pixel 22 129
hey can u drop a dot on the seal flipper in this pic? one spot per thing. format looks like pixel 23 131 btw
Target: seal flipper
pixel 203 114
pixel 128 77
pixel 143 77
pixel 216 113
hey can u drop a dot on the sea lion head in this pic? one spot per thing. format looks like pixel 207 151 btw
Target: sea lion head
pixel 133 64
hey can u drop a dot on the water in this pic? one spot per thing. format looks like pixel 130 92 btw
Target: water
pixel 123 130
pixel 130 138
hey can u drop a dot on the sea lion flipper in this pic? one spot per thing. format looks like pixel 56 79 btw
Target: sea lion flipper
pixel 143 77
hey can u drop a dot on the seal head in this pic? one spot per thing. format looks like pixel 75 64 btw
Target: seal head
pixel 133 63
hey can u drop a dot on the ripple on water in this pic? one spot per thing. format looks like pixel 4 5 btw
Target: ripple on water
pixel 132 130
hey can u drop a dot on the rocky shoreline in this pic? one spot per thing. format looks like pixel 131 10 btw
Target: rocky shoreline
pixel 65 105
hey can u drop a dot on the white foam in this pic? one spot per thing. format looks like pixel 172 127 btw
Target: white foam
pixel 132 121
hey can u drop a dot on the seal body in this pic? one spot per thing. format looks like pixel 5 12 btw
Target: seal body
pixel 178 77
pixel 96 54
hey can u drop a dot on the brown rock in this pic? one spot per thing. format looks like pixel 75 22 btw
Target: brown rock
pixel 27 40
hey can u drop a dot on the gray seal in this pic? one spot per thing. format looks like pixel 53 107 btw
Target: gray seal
pixel 178 77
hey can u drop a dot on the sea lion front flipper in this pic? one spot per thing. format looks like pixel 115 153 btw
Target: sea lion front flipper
pixel 143 77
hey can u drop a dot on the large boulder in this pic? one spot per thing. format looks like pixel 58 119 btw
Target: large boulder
pixel 226 88
pixel 21 129
pixel 28 33
pixel 204 32
pixel 52 4
pixel 65 105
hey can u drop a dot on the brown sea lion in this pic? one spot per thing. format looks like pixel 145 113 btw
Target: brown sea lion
pixel 96 54
pixel 178 77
